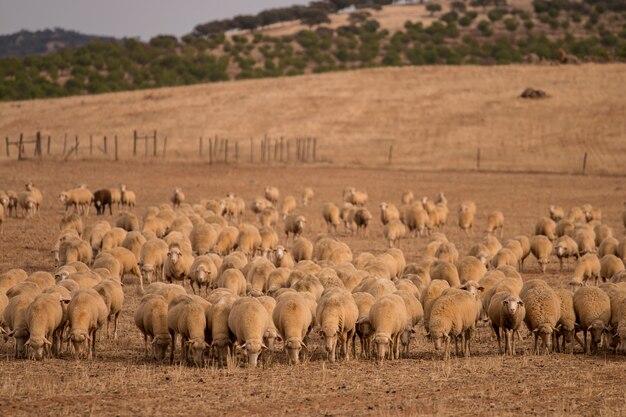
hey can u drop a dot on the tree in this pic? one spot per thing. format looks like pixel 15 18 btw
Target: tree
pixel 312 17
pixel 433 8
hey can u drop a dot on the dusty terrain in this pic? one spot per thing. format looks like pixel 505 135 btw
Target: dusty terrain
pixel 435 117
pixel 120 381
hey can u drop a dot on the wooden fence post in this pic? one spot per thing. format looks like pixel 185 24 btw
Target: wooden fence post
pixel 19 149
pixel 154 143
pixel 584 163
pixel 76 141
pixel 104 145
pixel 200 146
pixel 90 145
pixel 478 159
pixel 314 149
pixel 145 146
pixel 6 141
pixel 164 146
pixel 116 147
pixel 390 154
pixel 288 150
pixel 64 144
pixel 49 140
pixel 38 145
pixel 226 151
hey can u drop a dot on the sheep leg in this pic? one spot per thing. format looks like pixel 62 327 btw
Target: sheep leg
pixel 585 346
pixel 173 336
pixel 496 330
pixel 92 351
pixel 117 316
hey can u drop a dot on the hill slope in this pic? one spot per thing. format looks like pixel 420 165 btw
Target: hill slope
pixel 435 117
pixel 43 42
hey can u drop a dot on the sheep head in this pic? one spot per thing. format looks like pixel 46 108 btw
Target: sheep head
pixel 37 346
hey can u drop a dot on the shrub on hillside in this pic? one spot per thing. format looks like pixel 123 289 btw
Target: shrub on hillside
pixel 485 28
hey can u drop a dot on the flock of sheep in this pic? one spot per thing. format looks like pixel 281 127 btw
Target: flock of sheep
pixel 249 291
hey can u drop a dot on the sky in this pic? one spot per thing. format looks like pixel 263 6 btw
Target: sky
pixel 125 18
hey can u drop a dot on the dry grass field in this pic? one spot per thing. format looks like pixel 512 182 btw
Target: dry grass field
pixel 120 381
pixel 435 117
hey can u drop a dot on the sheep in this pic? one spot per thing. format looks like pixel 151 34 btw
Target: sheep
pixel 235 260
pixel 541 248
pixel 585 239
pixel 567 320
pixel 257 276
pixel 592 214
pixel 113 238
pixel 35 193
pixel 248 321
pixel 203 272
pixel 134 241
pixel 294 224
pixel 465 220
pixel 10 278
pixel 470 269
pixel 446 271
pixel 73 249
pixel 588 267
pixel 45 321
pixel 556 213
pixel 388 318
pixel 547 227
pixel 226 240
pixel 113 296
pixel 415 314
pixel 602 231
pixel 416 220
pixel 259 204
pixel 609 266
pixel 127 197
pixel 218 334
pixel 388 212
pixel 187 317
pixel 360 218
pixel 506 311
pixel 271 333
pixel 272 194
pixel 167 291
pixel 407 197
pixel 102 199
pixel 151 319
pixel 152 258
pixel 269 241
pixel 72 222
pixel 610 246
pixel 336 314
pixel 355 197
pixel 454 313
pixel 565 247
pixel 288 206
pixel 127 221
pixel 27 204
pixel 277 279
pixel 14 320
pixel 307 196
pixel 543 309
pixel 98 230
pixel 293 318
pixel 234 280
pixel 564 228
pixel 429 295
pixel 127 261
pixel 302 249
pixel 575 215
pixel 268 217
pixel 311 284
pixel 283 258
pixel 593 314
pixel 495 221
pixel 248 240
pixel 330 213
pixel 86 313
pixel 78 199
pixel 363 327
pixel 177 265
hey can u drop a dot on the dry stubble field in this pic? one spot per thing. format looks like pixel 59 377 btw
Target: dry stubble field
pixel 120 381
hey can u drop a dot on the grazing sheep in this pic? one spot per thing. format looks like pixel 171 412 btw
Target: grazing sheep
pixel 78 199
pixel 388 318
pixel 336 315
pixel 257 276
pixel 87 279
pixel 576 215
pixel 177 265
pixel 269 241
pixel 610 246
pixel 87 313
pixel 127 221
pixel 72 249
pixel 495 221
pixel 272 194
pixel 465 220
pixel 565 247
pixel 407 197
pixel 602 231
pixel 454 313
pixel 415 314
pixel 151 319
pixel 307 195
pixel 217 332
pixel 567 321
pixel 363 327
pixel 543 309
pixel 556 213
pixel 541 248
pixel 470 269
pixel 276 280
pixel 248 240
pixel 588 267
pixel 152 258
pixel 134 241
pixel 446 271
pixel 330 213
pixel 288 206
pixel 248 321
pixel 226 240
pixel 128 198
pixel 27 203
pixel 10 278
pixel 609 266
pixel 504 256
pixel 72 222
pixel 564 228
pixel 593 314
pixel 294 224
pixel 15 321
pixel 429 295
pixel 259 204
pixel 547 227
pixel 203 272
pixel 96 234
pixel 506 311
pixel 45 320
pixel 293 319
pixel 585 239
pixel 187 318
pixel 127 261
pixel 416 220
pixel 102 199
pixel 388 212
pixel 268 217
pixel 113 238
pixel 271 333
pixel 283 258
pixel 355 197
pixel 113 296
pixel 234 280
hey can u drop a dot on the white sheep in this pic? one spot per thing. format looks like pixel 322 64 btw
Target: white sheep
pixel 151 319
pixel 610 246
pixel 336 315
pixel 151 259
pixel 248 321
pixel 127 197
pixel 495 221
pixel 556 213
pixel 465 219
pixel 588 267
pixel 268 216
pixel 567 321
pixel 541 248
pixel 272 194
pixel 15 323
pixel 307 196
pixel 331 215
pixel 543 309
pixel 506 311
pixel 87 313
pixel 415 314
pixel 203 272
pixel 288 206
pixel 470 268
pixel 233 280
pixel 585 239
pixel 609 266
pixel 78 199
pixel 226 240
pixel 388 318
pixel 113 297
pixel 407 197
pixel 187 318
pixel 113 238
pixel 564 248
pixel 294 224
pixel 293 319
pixel 203 238
pixel 271 333
pixel 547 227
pixel 388 212
pixel 177 265
pixel 269 241
pixel 593 314
pixel 248 240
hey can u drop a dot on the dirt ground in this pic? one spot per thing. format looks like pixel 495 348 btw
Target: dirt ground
pixel 120 381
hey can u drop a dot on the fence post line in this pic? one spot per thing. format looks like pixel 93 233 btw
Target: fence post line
pixel 76 141
pixel 6 141
pixel 164 146
pixel 145 146
pixel 134 143
pixel 38 145
pixel 226 151
pixel 314 149
pixel 584 163
pixel 288 150
pixel 154 143
pixel 104 144
pixel 390 154
pixel 116 147
pixel 478 159
pixel 49 140
pixel 19 149
pixel 90 145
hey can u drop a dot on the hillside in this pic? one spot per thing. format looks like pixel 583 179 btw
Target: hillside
pixel 43 42
pixel 456 33
pixel 435 117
